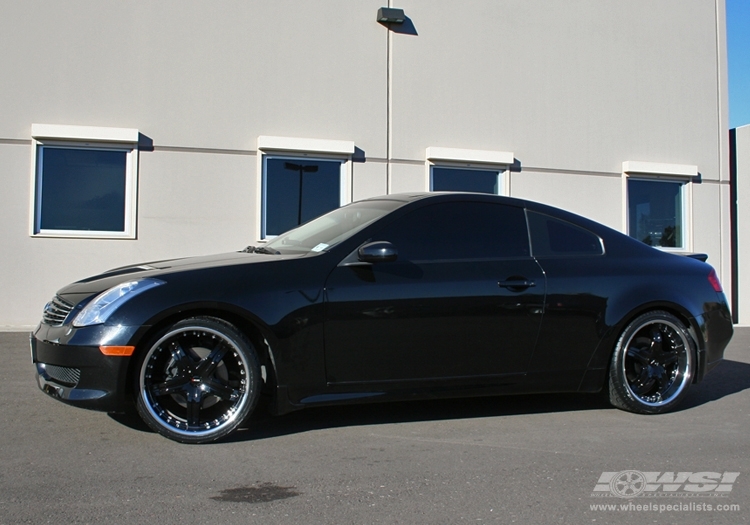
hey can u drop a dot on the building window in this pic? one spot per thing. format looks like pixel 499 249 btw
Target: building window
pixel 657 203
pixel 300 180
pixel 297 189
pixel 444 178
pixel 656 212
pixel 479 171
pixel 84 181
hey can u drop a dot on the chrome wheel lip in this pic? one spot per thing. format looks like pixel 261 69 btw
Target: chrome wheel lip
pixel 684 366
pixel 236 409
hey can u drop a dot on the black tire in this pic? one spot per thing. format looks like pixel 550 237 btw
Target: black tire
pixel 653 364
pixel 198 380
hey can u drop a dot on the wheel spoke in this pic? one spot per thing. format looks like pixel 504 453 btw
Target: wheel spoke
pixel 665 381
pixel 193 411
pixel 182 359
pixel 224 392
pixel 643 383
pixel 642 355
pixel 208 365
pixel 171 386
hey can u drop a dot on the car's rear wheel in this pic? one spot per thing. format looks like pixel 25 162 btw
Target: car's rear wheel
pixel 652 365
pixel 198 381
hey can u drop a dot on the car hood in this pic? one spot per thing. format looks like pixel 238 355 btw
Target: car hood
pixel 157 269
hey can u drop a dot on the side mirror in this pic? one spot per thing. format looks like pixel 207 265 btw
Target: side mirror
pixel 377 252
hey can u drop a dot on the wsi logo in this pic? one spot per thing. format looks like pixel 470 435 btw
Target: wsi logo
pixel 634 483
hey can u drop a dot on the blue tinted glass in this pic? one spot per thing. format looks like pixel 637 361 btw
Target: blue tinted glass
pixel 298 190
pixel 82 189
pixel 655 212
pixel 457 179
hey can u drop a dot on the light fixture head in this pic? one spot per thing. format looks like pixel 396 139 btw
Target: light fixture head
pixel 390 15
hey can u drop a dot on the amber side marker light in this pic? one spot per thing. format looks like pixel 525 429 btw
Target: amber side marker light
pixel 124 351
pixel 714 280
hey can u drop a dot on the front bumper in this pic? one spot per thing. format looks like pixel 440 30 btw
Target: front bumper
pixel 71 368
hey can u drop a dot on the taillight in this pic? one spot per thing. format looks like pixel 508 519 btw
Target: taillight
pixel 714 280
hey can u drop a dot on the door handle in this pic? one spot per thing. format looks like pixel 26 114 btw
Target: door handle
pixel 516 285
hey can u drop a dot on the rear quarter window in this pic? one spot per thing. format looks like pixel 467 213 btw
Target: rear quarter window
pixel 551 237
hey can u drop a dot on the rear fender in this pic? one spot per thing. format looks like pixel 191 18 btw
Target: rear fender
pixel 623 310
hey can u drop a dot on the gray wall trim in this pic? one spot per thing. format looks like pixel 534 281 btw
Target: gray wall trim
pixel 16 142
pixel 407 161
pixel 570 172
pixel 216 151
pixel 717 182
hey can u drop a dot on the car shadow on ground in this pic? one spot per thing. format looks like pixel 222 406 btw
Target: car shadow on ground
pixel 729 377
pixel 264 426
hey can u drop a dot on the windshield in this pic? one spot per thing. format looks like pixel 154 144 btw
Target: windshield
pixel 330 229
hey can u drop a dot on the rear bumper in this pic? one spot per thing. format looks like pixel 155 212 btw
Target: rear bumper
pixel 715 330
pixel 70 367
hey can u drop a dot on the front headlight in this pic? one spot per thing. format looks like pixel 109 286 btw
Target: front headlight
pixel 105 304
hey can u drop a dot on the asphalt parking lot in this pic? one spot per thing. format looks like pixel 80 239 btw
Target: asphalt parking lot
pixel 530 459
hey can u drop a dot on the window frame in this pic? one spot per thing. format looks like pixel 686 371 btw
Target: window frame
pixel 49 136
pixel 295 149
pixel 465 159
pixel 682 174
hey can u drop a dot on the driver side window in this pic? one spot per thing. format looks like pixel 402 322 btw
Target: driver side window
pixel 452 231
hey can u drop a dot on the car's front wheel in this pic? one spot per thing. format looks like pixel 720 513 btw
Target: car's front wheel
pixel 198 381
pixel 652 365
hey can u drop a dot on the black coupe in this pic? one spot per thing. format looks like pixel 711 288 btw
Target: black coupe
pixel 401 296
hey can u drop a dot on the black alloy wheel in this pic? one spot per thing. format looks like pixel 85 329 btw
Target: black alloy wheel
pixel 652 365
pixel 198 381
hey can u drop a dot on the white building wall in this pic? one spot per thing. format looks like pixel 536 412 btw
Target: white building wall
pixel 573 88
pixel 742 167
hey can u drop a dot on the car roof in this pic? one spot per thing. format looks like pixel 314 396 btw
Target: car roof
pixel 448 195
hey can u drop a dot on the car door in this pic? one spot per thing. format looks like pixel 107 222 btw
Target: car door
pixel 463 299
pixel 579 281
